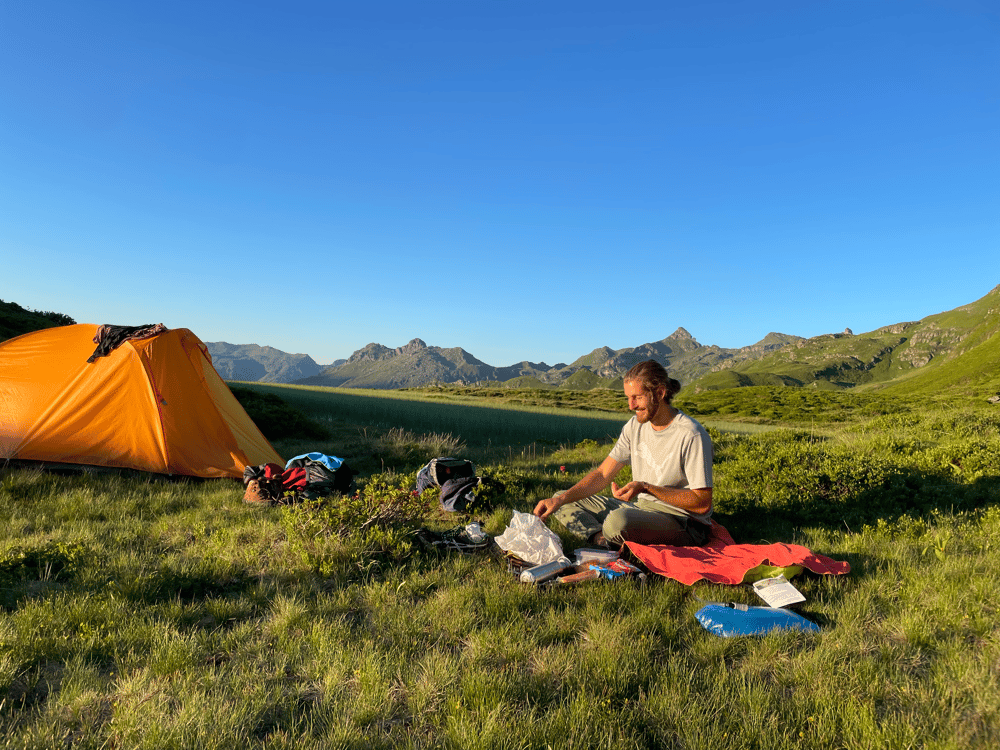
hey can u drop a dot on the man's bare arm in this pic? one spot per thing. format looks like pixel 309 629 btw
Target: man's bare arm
pixel 696 501
pixel 595 481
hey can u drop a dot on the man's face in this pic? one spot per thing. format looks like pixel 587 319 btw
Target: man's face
pixel 644 403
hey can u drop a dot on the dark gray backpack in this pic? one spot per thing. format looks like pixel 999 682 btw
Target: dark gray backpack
pixel 437 471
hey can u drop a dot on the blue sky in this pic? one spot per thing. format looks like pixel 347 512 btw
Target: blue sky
pixel 526 180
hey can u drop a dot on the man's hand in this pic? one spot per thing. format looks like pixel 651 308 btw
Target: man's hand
pixel 595 481
pixel 547 507
pixel 628 492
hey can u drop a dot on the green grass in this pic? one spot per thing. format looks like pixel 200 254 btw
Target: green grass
pixel 141 612
pixel 474 421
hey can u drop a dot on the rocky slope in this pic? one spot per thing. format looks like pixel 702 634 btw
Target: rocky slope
pixel 263 364
pixel 830 361
pixel 417 364
pixel 889 353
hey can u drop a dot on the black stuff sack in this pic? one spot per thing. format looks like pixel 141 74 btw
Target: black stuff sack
pixel 437 471
pixel 460 494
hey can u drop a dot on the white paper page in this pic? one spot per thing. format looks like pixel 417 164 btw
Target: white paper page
pixel 777 591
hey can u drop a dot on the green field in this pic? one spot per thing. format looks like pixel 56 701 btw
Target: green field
pixel 144 612
pixel 479 420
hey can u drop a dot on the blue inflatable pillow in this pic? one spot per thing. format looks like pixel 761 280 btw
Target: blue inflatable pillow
pixel 740 619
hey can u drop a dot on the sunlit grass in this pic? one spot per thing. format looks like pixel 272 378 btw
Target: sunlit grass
pixel 153 613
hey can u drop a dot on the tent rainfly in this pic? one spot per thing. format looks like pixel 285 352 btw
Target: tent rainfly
pixel 154 404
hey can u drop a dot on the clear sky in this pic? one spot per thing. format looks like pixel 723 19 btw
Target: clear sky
pixel 526 179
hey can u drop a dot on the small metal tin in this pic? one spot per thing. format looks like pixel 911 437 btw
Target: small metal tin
pixel 545 572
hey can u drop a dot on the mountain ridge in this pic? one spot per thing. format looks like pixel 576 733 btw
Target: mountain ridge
pixel 833 361
pixel 918 354
pixel 886 355
pixel 260 364
pixel 416 364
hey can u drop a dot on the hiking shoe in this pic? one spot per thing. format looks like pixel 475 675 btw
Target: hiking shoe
pixel 254 495
pixel 458 538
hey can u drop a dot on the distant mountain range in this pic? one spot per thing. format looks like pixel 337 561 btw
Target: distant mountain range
pixel 960 346
pixel 417 364
pixel 262 364
pixel 831 361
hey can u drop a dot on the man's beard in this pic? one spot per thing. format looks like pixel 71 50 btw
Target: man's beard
pixel 652 406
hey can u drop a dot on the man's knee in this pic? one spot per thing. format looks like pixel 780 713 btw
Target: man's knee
pixel 622 526
pixel 616 526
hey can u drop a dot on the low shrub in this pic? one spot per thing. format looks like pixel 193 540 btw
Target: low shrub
pixel 347 535
pixel 789 475
pixel 506 483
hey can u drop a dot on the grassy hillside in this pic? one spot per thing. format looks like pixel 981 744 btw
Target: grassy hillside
pixel 585 380
pixel 529 382
pixel 943 344
pixel 831 361
pixel 972 373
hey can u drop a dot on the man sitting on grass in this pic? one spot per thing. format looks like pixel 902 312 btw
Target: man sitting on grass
pixel 669 500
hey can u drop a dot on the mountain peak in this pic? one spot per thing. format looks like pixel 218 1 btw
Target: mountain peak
pixel 680 333
pixel 775 340
pixel 415 345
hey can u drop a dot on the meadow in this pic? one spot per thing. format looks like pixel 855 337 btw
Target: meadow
pixel 138 611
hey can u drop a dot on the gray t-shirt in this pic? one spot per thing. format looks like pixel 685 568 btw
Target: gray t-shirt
pixel 679 456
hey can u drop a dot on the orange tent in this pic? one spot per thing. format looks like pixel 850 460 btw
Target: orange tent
pixel 154 404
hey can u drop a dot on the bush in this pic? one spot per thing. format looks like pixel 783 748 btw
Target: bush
pixel 787 476
pixel 347 535
pixel 505 483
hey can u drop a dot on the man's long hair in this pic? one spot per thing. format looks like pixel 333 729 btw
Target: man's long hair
pixel 651 375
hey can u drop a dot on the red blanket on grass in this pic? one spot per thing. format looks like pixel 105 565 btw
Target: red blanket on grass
pixel 721 560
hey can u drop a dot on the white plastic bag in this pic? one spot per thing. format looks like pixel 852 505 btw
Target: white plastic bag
pixel 530 539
